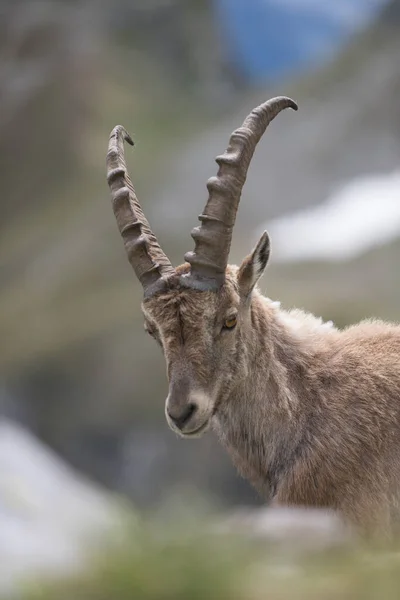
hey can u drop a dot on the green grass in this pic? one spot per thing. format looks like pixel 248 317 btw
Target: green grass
pixel 159 563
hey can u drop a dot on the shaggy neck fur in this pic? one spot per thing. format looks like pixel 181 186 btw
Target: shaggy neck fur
pixel 265 425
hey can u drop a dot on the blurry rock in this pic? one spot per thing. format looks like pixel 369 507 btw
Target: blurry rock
pixel 50 518
pixel 294 529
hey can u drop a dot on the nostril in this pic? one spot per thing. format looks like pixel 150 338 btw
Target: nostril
pixel 184 416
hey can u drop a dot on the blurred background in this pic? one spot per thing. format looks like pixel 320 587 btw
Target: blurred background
pixel 79 378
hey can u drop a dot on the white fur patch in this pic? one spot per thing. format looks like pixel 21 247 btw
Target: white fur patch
pixel 301 323
pixel 304 323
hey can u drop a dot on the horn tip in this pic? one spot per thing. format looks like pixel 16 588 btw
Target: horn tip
pixel 120 130
pixel 291 103
pixel 128 138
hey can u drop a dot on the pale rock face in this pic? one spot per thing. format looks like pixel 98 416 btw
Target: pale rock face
pixel 49 516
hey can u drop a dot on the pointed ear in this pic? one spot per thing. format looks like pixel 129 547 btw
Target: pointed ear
pixel 253 266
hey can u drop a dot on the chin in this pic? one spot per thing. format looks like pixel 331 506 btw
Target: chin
pixel 195 433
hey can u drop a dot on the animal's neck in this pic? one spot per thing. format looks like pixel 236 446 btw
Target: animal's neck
pixel 264 421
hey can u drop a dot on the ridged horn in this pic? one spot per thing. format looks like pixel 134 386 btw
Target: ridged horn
pixel 213 237
pixel 144 252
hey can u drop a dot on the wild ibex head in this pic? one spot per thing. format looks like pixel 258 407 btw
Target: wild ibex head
pixel 200 312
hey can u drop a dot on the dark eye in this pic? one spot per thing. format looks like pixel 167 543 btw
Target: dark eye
pixel 150 330
pixel 230 322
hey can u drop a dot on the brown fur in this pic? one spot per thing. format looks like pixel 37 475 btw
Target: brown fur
pixel 309 414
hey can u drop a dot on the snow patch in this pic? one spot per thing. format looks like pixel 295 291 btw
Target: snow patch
pixel 363 214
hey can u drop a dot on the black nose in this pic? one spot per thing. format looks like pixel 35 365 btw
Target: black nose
pixel 182 415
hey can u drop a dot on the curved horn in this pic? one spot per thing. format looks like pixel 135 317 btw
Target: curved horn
pixel 213 237
pixel 144 252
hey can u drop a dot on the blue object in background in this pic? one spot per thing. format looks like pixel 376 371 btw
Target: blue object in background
pixel 268 39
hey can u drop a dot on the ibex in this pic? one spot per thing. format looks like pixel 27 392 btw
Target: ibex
pixel 310 414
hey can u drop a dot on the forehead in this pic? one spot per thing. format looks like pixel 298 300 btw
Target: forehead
pixel 180 301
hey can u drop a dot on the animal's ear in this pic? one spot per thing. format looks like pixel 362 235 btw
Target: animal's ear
pixel 253 266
